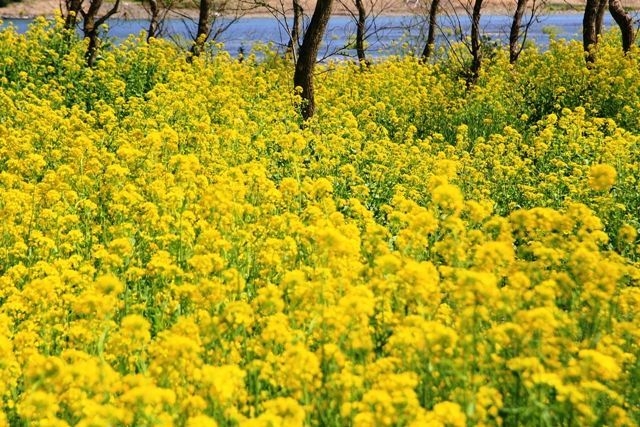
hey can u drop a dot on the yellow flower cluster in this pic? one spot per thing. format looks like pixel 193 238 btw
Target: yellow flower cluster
pixel 602 177
pixel 175 249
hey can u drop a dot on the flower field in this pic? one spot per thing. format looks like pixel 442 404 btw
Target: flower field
pixel 176 249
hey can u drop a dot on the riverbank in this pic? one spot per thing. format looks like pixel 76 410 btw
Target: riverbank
pixel 27 9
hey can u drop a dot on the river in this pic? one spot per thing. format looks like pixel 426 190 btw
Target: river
pixel 392 34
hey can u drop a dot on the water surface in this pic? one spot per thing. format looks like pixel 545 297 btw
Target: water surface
pixel 391 34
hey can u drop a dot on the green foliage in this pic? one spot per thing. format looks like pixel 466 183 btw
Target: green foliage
pixel 4 3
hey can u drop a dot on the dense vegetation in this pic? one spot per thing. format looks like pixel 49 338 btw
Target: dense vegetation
pixel 6 2
pixel 176 249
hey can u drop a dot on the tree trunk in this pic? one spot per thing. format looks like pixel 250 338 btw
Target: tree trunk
pixel 602 8
pixel 431 34
pixel 514 35
pixel 476 52
pixel 589 30
pixel 73 10
pixel 154 22
pixel 303 75
pixel 203 28
pixel 90 25
pixel 360 30
pixel 624 21
pixel 296 30
pixel 91 32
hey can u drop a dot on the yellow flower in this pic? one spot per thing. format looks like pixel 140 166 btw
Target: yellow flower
pixel 447 414
pixel 602 177
pixel 176 249
pixel 201 421
pixel 448 197
pixel 600 366
pixel 133 336
pixel 627 233
pixel 37 405
pixel 287 410
pixel 224 383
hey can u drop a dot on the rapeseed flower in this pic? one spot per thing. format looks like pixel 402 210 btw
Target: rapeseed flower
pixel 448 197
pixel 177 249
pixel 602 177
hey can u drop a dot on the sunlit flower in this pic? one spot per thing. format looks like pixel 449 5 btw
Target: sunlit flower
pixel 602 177
pixel 177 248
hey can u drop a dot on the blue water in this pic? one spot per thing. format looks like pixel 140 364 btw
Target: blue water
pixel 394 34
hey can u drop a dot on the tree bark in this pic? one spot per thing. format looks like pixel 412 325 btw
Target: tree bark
pixel 624 21
pixel 514 35
pixel 203 28
pixel 360 31
pixel 296 30
pixel 71 14
pixel 90 31
pixel 303 75
pixel 431 34
pixel 476 52
pixel 589 30
pixel 90 25
pixel 154 22
pixel 602 8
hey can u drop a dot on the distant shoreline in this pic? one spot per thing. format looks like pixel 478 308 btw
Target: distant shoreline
pixel 30 9
pixel 142 17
